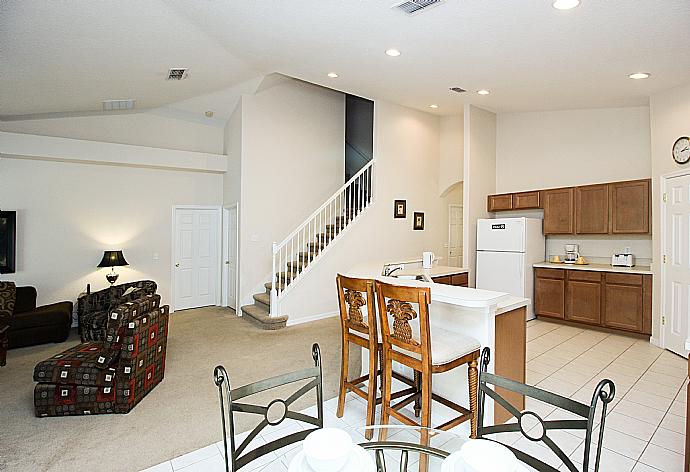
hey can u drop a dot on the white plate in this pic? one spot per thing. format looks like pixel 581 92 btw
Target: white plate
pixel 359 461
pixel 452 464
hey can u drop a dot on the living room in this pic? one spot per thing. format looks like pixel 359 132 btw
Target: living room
pixel 127 128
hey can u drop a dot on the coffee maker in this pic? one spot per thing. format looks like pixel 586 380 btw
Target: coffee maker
pixel 571 253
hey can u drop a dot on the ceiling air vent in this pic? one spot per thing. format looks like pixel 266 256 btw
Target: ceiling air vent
pixel 458 90
pixel 113 105
pixel 412 7
pixel 177 74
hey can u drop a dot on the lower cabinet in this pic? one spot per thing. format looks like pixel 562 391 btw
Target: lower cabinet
pixel 607 299
pixel 459 280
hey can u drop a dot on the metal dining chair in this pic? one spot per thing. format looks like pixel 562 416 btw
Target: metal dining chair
pixel 273 413
pixel 489 384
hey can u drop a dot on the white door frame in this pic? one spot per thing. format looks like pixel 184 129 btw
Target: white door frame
pixel 219 249
pixel 664 184
pixel 224 289
pixel 462 241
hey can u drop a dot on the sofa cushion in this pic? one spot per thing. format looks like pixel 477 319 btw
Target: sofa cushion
pixel 84 364
pixel 26 299
pixel 57 314
pixel 8 297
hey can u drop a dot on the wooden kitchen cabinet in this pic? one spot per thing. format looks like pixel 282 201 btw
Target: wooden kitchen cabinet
pixel 526 200
pixel 624 307
pixel 629 203
pixel 592 209
pixel 500 202
pixel 558 210
pixel 583 297
pixel 459 280
pixel 549 293
pixel 607 299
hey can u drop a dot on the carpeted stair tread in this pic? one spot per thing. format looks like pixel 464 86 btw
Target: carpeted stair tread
pixel 262 319
pixel 263 299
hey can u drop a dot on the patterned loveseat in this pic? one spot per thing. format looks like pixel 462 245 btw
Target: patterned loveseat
pixel 93 308
pixel 109 376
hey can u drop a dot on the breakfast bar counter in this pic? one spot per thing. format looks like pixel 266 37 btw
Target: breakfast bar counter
pixel 495 319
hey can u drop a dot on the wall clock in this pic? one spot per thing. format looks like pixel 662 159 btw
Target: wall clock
pixel 681 150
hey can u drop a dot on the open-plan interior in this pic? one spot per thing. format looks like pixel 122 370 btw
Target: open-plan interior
pixel 323 236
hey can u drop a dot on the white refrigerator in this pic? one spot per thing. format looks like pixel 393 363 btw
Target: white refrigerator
pixel 506 250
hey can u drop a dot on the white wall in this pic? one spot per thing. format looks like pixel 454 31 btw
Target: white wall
pixel 451 152
pixel 143 129
pixel 670 112
pixel 232 179
pixel 406 149
pixel 480 177
pixel 69 213
pixel 537 150
pixel 293 140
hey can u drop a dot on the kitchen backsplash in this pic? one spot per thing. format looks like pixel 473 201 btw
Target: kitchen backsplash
pixel 600 248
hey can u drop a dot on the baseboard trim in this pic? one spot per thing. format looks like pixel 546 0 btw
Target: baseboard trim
pixel 307 319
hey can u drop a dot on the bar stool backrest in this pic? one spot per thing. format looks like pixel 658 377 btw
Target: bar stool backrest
pixel 396 310
pixel 353 296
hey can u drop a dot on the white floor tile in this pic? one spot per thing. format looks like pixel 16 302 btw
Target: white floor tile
pixel 631 426
pixel 637 411
pixel 195 456
pixel 163 467
pixel 211 464
pixel 674 423
pixel 662 459
pixel 669 440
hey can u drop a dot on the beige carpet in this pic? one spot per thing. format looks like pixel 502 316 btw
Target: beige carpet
pixel 178 416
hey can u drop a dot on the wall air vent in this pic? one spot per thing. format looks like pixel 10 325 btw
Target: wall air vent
pixel 412 7
pixel 178 73
pixel 115 105
pixel 458 90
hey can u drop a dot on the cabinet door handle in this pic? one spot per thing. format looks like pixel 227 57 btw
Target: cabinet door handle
pixel 177 265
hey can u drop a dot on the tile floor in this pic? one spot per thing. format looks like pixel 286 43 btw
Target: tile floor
pixel 645 424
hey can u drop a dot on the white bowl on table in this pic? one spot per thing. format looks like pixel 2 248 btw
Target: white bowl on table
pixel 327 449
pixel 481 455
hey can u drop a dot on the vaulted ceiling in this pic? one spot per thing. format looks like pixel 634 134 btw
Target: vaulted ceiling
pixel 69 55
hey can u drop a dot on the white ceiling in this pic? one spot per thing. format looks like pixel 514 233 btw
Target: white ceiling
pixel 69 55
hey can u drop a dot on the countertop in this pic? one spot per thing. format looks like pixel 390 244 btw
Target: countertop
pixel 435 271
pixel 596 267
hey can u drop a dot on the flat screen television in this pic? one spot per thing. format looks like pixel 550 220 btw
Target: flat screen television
pixel 8 237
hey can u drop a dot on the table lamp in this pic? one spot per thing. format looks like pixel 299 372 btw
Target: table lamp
pixel 112 259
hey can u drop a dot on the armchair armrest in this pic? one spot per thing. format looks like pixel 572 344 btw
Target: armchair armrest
pixel 93 326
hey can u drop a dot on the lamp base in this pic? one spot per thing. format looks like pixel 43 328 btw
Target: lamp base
pixel 112 276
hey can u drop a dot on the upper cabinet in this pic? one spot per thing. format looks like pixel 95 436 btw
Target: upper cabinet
pixel 609 208
pixel 558 211
pixel 592 209
pixel 630 207
pixel 500 202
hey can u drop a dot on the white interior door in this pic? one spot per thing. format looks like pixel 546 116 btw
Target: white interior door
pixel 454 235
pixel 677 267
pixel 230 257
pixel 196 257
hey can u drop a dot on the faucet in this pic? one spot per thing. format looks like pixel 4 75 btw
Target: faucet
pixel 387 271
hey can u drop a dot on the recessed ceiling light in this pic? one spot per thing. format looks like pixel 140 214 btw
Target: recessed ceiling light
pixel 392 52
pixel 639 75
pixel 433 106
pixel 332 75
pixel 565 4
pixel 483 92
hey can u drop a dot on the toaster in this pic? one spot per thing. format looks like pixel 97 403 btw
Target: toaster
pixel 623 260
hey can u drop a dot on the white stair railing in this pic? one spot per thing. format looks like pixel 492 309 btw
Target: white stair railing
pixel 293 257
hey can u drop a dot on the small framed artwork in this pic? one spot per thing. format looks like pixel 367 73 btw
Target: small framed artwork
pixel 400 209
pixel 418 221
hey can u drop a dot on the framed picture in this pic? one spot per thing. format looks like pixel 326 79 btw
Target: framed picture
pixel 418 221
pixel 400 209
pixel 8 232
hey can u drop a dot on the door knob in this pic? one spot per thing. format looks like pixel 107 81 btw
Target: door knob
pixel 177 265
pixel 227 262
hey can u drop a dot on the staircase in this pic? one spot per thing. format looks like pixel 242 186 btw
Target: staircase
pixel 300 251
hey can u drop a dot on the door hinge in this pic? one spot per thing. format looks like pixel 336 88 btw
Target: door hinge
pixel 665 198
pixel 663 320
pixel 664 258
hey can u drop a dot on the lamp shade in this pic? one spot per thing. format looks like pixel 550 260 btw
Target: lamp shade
pixel 113 259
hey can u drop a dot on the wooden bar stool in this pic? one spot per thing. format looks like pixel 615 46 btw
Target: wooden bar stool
pixel 431 351
pixel 361 329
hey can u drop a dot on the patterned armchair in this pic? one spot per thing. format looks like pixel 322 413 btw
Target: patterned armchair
pixel 93 309
pixel 109 376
